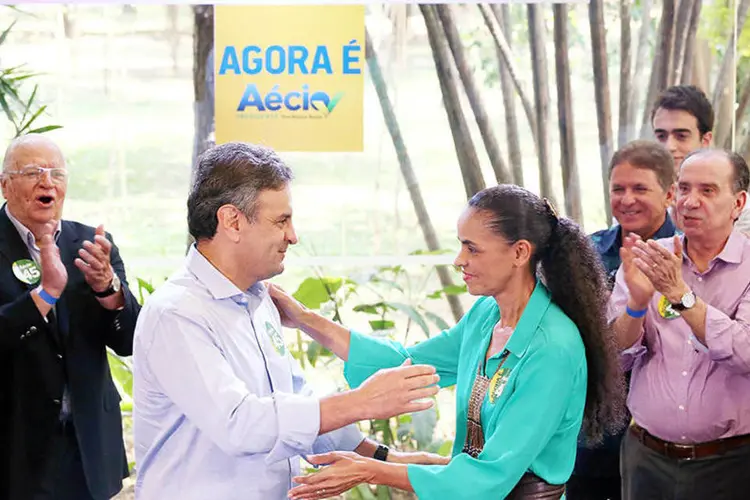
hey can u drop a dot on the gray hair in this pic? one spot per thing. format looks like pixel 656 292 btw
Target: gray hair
pixel 740 172
pixel 234 174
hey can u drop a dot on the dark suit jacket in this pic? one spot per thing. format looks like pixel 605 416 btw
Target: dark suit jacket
pixel 38 358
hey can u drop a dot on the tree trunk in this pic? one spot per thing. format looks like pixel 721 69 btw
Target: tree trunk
pixel 502 14
pixel 724 87
pixel 502 45
pixel 203 81
pixel 744 150
pixel 541 96
pixel 601 94
pixel 686 75
pixel 743 100
pixel 571 183
pixel 666 44
pixel 489 138
pixel 640 62
pixel 725 73
pixel 684 13
pixel 660 64
pixel 465 151
pixel 702 63
pixel 410 178
pixel 625 131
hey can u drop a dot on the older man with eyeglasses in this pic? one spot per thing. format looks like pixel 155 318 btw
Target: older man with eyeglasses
pixel 63 300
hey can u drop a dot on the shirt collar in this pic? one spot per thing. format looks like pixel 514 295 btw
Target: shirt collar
pixel 26 235
pixel 532 315
pixel 732 251
pixel 218 285
pixel 611 239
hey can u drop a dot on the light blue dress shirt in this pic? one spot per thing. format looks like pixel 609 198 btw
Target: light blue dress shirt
pixel 221 409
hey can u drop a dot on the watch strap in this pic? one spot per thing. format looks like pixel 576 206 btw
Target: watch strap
pixel 381 453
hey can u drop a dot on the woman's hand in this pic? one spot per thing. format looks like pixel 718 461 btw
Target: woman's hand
pixel 344 470
pixel 290 309
pixel 417 457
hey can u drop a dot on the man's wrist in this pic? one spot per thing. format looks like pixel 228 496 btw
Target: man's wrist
pixel 49 297
pixel 637 306
pixel 674 296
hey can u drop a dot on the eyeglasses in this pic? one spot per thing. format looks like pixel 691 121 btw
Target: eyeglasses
pixel 34 173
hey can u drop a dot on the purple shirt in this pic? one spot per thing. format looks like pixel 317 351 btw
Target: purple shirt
pixel 682 390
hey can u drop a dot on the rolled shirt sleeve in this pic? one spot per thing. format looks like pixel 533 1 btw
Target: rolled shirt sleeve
pixel 728 340
pixel 368 354
pixel 616 305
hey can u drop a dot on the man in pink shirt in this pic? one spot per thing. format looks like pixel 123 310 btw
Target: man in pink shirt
pixel 681 312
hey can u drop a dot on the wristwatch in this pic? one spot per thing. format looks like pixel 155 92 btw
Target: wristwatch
pixel 114 287
pixel 381 453
pixel 686 302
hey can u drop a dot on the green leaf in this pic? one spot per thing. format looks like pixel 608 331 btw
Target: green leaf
pixel 439 322
pixel 122 373
pixel 369 308
pixel 435 295
pixel 4 35
pixel 313 351
pixel 454 289
pixel 313 292
pixel 362 492
pixel 41 130
pixel 381 324
pixel 445 448
pixel 383 492
pixel 413 314
pixel 31 120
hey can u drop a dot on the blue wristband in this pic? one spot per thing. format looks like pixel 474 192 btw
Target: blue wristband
pixel 635 314
pixel 49 299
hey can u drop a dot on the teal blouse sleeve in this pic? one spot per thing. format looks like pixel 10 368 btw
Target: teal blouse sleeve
pixel 368 354
pixel 546 396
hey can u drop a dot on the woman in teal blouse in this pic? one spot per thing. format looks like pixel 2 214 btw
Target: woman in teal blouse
pixel 532 360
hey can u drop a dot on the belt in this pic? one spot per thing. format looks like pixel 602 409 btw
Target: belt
pixel 532 487
pixel 687 451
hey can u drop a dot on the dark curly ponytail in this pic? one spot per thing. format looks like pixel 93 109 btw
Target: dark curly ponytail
pixel 572 271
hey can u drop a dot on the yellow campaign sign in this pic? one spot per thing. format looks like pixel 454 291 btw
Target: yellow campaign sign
pixel 290 77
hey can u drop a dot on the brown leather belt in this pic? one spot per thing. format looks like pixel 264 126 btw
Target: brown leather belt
pixel 532 487
pixel 687 451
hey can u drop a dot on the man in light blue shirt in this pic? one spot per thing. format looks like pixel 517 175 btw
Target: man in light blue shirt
pixel 221 408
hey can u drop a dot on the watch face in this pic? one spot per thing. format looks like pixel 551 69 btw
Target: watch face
pixel 115 283
pixel 688 300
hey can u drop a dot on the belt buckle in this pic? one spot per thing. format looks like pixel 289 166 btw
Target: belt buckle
pixel 690 447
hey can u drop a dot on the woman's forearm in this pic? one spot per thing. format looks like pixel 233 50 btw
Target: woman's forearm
pixel 327 333
pixel 393 475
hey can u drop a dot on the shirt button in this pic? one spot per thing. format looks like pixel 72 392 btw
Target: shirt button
pixel 32 329
pixel 681 408
pixel 684 374
pixel 59 356
pixel 56 401
pixel 700 278
pixel 684 438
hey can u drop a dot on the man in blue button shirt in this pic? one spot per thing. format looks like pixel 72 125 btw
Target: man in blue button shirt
pixel 221 409
pixel 641 188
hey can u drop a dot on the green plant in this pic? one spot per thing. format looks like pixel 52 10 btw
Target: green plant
pixel 398 296
pixel 21 111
